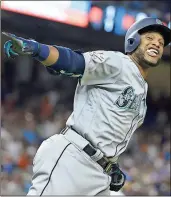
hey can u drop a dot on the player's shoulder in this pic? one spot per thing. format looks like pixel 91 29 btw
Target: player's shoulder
pixel 118 57
pixel 117 54
pixel 109 52
pixel 102 55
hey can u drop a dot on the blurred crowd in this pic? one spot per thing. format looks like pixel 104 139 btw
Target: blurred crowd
pixel 36 105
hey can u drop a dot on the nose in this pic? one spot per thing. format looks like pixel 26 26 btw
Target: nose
pixel 156 43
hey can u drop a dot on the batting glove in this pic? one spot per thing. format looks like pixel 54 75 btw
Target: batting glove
pixel 117 178
pixel 19 46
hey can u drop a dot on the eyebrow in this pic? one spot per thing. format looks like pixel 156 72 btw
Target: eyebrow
pixel 150 34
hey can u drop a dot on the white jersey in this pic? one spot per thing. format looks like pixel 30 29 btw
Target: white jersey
pixel 110 101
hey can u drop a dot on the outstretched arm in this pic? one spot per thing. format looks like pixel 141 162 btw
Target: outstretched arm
pixel 57 59
pixel 47 55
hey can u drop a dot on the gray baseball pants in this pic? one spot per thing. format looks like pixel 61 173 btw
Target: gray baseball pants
pixel 61 167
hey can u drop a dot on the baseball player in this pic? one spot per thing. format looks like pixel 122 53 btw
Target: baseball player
pixel 109 105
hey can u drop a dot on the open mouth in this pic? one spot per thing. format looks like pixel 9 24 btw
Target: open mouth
pixel 153 52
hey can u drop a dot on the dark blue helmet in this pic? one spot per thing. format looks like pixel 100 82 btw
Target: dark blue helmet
pixel 132 38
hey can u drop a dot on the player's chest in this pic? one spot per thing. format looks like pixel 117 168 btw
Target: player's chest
pixel 126 98
pixel 129 99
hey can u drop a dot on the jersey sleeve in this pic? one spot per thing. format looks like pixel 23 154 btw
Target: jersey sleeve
pixel 101 67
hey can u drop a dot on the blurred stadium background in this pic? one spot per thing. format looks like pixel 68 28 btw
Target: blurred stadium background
pixel 35 104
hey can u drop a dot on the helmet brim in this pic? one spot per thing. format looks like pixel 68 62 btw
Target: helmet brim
pixel 163 30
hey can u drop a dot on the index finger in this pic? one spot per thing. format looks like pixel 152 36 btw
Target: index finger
pixel 13 37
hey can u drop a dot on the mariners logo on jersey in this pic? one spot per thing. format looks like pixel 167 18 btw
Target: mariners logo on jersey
pixel 128 99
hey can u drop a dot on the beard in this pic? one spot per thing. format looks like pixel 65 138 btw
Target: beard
pixel 140 58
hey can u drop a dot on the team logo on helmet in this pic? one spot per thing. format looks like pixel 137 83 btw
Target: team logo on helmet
pixel 159 22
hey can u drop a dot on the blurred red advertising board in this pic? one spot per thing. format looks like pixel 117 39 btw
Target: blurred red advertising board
pixel 59 11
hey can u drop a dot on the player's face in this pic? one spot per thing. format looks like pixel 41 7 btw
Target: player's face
pixel 150 50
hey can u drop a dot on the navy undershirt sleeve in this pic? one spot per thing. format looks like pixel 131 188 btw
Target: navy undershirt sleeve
pixel 70 63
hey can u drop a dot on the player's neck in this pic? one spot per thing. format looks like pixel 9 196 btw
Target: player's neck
pixel 143 71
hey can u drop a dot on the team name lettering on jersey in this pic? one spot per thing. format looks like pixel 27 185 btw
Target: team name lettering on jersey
pixel 128 99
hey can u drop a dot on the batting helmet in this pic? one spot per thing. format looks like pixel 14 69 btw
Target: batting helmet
pixel 132 38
